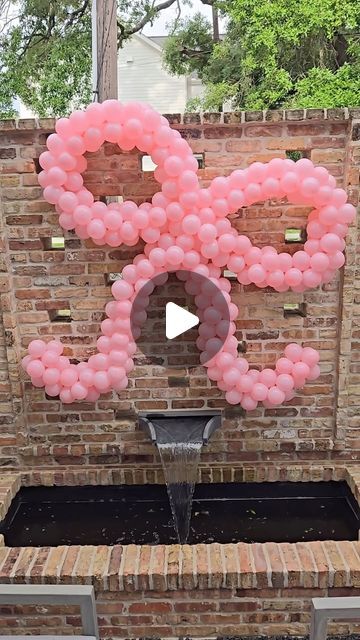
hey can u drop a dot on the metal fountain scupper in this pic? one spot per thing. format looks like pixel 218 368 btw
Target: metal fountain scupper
pixel 179 437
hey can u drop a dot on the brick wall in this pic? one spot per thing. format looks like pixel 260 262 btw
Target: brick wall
pixel 321 423
pixel 236 613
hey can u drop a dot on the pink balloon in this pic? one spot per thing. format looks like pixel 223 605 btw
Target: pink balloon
pixel 310 356
pixel 319 262
pixel 293 352
pixel 245 383
pixel 66 396
pixel 270 262
pixel 86 377
pixel 184 226
pixel 253 256
pixel 259 391
pixel 122 290
pixel 93 395
pixel 68 202
pixel 68 377
pixel 301 260
pixel 256 273
pixel 330 243
pixel 174 255
pixel 276 279
pixel 51 376
pixel 56 176
pixel 347 214
pixel 79 391
pixel 314 372
pixel 268 377
pixel 311 278
pixel 188 180
pixel 101 381
pixel 74 181
pixel 66 161
pixel 52 390
pixel 50 359
pixel 191 224
pixel 293 277
pixel 37 348
pixel 285 382
pixel 248 403
pixel 233 397
pixel 289 182
pixel 35 369
pixel 231 376
pixel 301 370
pixel 275 396
pixel 82 214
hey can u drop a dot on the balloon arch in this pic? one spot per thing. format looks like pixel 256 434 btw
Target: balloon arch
pixel 185 227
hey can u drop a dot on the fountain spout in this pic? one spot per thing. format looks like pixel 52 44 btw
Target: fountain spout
pixel 180 426
pixel 179 437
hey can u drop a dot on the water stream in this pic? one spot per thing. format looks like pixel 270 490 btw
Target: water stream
pixel 180 461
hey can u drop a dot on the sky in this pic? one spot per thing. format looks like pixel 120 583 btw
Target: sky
pixel 159 27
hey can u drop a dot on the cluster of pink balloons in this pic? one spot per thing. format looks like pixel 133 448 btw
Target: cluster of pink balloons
pixel 185 227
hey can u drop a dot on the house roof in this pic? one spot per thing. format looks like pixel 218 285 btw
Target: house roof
pixel 159 40
pixel 151 42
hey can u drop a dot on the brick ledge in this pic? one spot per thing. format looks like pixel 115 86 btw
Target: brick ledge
pixel 232 117
pixel 132 568
pixel 307 565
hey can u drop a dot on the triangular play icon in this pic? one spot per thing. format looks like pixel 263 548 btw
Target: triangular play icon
pixel 178 320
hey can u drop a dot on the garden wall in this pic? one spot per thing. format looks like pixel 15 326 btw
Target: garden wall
pixel 204 590
pixel 321 423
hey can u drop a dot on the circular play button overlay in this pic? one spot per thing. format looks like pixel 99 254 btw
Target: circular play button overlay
pixel 180 320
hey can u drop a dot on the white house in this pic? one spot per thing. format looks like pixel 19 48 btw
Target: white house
pixel 141 76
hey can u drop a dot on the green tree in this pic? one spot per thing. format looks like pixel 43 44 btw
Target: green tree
pixel 45 50
pixel 274 53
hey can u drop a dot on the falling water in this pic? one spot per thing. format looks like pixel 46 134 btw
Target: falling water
pixel 180 462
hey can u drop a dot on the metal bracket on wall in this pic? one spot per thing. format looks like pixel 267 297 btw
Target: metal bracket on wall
pixel 83 596
pixel 324 609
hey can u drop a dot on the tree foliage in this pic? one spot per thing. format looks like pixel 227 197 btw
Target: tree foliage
pixel 45 50
pixel 275 53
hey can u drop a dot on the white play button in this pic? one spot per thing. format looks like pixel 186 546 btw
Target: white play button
pixel 178 320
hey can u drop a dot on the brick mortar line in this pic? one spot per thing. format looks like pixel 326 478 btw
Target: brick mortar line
pixel 345 563
pixel 285 569
pixel 331 569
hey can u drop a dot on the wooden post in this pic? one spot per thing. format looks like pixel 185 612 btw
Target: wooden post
pixel 215 20
pixel 106 39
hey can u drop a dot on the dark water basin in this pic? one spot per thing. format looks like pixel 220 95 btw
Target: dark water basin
pixel 244 512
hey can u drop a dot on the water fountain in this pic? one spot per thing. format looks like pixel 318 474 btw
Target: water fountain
pixel 179 437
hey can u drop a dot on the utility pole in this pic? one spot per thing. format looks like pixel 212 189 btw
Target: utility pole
pixel 215 21
pixel 104 49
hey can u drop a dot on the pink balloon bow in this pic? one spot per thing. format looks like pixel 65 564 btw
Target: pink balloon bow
pixel 184 227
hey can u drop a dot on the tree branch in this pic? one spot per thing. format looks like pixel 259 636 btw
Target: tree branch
pixel 77 14
pixel 29 41
pixel 149 16
pixel 194 53
pixel 176 21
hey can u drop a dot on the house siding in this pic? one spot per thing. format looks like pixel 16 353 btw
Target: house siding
pixel 145 80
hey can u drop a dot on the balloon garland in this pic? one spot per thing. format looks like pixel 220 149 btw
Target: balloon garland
pixel 184 227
